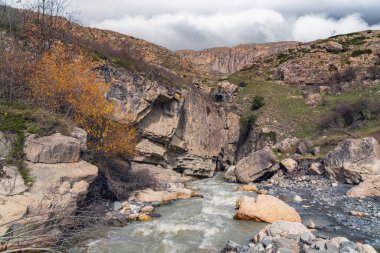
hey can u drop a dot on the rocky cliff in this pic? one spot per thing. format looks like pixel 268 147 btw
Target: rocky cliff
pixel 229 60
pixel 180 128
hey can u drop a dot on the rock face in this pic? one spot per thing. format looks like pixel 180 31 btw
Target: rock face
pixel 5 144
pixel 354 160
pixel 368 188
pixel 52 149
pixel 229 60
pixel 180 129
pixel 12 182
pixel 265 208
pixel 256 166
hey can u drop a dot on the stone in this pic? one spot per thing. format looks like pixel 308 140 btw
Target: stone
pixel 117 205
pixel 262 191
pixel 283 228
pixel 311 224
pixel 331 247
pixel 297 199
pixel 354 160
pixel 347 245
pixel 81 135
pixel 368 188
pixel 229 175
pixel 286 243
pixel 247 188
pixel 306 237
pixel 144 217
pixel 316 151
pixel 316 169
pixel 324 89
pixel 266 240
pixel 256 165
pixel 6 141
pixel 150 195
pixel 313 99
pixel 265 208
pixel 357 213
pixel 149 151
pixel 12 182
pixel 302 148
pixel 288 145
pixel 338 240
pixel 332 46
pixel 52 149
pixel 196 165
pixel 284 250
pixel 289 164
pixel 320 244
pixel 367 249
pixel 147 209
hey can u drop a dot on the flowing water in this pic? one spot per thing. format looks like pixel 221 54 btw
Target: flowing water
pixel 191 225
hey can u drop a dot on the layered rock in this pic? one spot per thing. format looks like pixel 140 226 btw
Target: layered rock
pixel 257 165
pixel 180 128
pixel 354 160
pixel 52 149
pixel 265 208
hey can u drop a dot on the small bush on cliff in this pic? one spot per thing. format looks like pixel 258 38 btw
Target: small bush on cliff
pixel 67 84
pixel 257 103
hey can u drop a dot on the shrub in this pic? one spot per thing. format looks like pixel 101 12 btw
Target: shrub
pixel 68 85
pixel 246 124
pixel 271 136
pixel 257 103
pixel 375 109
pixel 357 41
pixel 359 52
pixel 243 84
pixel 328 121
pixel 351 113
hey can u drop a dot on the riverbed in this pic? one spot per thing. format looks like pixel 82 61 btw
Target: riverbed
pixel 203 224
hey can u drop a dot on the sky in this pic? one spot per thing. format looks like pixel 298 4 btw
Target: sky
pixel 199 24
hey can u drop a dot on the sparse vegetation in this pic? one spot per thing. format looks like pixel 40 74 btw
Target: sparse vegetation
pixel 359 52
pixel 257 103
pixel 360 40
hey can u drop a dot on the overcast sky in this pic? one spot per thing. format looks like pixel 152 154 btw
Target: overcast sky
pixel 198 24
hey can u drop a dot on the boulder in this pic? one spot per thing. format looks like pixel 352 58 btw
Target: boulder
pixel 229 175
pixel 5 144
pixel 12 182
pixel 368 188
pixel 289 164
pixel 255 166
pixel 81 136
pixel 149 195
pixel 150 152
pixel 265 208
pixel 313 99
pixel 354 160
pixel 247 188
pixel 52 149
pixel 332 46
pixel 316 169
pixel 287 145
pixel 283 228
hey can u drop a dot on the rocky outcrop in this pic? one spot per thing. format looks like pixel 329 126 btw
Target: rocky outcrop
pixel 368 188
pixel 180 129
pixel 52 149
pixel 265 208
pixel 354 160
pixel 256 166
pixel 229 60
pixel 56 184
pixel 224 91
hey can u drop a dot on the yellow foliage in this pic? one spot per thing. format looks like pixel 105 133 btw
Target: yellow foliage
pixel 67 85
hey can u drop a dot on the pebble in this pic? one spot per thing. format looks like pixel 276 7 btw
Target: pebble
pixel 297 198
pixel 117 205
pixel 311 224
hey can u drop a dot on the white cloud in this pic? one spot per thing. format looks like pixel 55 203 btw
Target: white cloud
pixel 197 31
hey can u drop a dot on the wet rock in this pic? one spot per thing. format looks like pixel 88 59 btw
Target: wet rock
pixel 52 149
pixel 256 165
pixel 297 198
pixel 150 195
pixel 147 209
pixel 247 188
pixel 262 191
pixel 229 175
pixel 144 217
pixel 368 188
pixel 354 160
pixel 265 208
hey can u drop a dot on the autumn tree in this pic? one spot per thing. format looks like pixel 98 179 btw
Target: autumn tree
pixel 66 84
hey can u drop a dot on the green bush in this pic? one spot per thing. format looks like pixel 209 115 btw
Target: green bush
pixel 257 103
pixel 378 36
pixel 271 136
pixel 357 41
pixel 358 52
pixel 243 84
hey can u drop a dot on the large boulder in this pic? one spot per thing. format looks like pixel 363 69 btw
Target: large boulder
pixel 368 188
pixel 12 182
pixel 150 195
pixel 52 149
pixel 354 160
pixel 283 228
pixel 287 145
pixel 5 144
pixel 256 165
pixel 230 175
pixel 265 208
